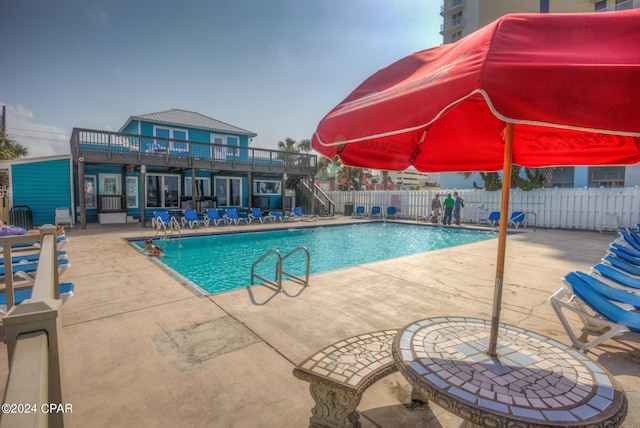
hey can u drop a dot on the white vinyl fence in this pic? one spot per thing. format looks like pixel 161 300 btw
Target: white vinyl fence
pixel 586 208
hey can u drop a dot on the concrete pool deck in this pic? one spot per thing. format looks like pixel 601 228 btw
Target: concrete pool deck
pixel 142 349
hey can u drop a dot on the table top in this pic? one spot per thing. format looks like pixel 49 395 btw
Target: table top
pixel 534 380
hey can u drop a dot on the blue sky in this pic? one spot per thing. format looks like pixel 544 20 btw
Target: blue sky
pixel 273 67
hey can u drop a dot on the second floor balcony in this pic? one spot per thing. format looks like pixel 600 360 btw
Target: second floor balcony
pixel 104 147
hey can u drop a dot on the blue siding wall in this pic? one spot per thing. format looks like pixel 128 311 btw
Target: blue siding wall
pixel 131 128
pixel 42 186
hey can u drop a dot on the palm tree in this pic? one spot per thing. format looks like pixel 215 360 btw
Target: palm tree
pixel 304 146
pixel 289 145
pixel 9 149
pixel 326 166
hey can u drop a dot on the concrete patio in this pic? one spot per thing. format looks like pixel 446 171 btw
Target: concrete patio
pixel 142 349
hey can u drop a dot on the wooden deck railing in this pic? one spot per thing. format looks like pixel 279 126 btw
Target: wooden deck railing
pixel 112 203
pixel 115 148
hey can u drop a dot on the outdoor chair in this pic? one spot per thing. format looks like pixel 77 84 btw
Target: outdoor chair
pixel 597 312
pixel 518 218
pixel 22 294
pixel 63 217
pixel 232 215
pixel 610 221
pixel 213 216
pixel 162 222
pixel 392 211
pixel 256 214
pixel 191 218
pixel 297 213
pixel 27 270
pixel 31 258
pixel 359 212
pixel 376 211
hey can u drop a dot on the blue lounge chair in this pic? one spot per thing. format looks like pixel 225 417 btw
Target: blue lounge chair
pixel 636 237
pixel 609 272
pixel 22 294
pixel 359 212
pixel 277 216
pixel 23 270
pixel 162 222
pixel 256 214
pixel 232 215
pixel 624 255
pixel 213 216
pixel 30 258
pixel 612 293
pixel 376 211
pixel 60 241
pixel 629 240
pixel 625 249
pixel 191 218
pixel 494 218
pixel 392 211
pixel 518 218
pixel 608 319
pixel 622 265
pixel 297 213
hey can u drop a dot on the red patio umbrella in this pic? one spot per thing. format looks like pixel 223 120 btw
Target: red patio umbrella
pixel 536 90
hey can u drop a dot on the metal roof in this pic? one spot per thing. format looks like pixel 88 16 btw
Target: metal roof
pixel 190 119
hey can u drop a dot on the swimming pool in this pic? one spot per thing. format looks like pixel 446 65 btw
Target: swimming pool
pixel 223 262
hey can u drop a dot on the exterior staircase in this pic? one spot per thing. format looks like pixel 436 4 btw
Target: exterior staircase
pixel 311 198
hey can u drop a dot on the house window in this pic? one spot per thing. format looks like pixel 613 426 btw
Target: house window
pixel 203 187
pixel 228 191
pixel 606 176
pixel 624 4
pixel 163 191
pixel 601 6
pixel 456 36
pixel 456 19
pixel 219 141
pixel 110 184
pixel 90 191
pixel 178 147
pixel 266 187
pixel 233 150
pixel 132 192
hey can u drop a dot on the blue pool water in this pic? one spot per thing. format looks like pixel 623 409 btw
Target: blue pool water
pixel 218 263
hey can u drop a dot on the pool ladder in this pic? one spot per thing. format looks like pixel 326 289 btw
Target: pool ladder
pixel 279 268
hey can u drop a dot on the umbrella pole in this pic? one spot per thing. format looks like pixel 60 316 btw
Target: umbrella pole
pixel 502 238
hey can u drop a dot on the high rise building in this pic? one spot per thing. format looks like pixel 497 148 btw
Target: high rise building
pixel 462 17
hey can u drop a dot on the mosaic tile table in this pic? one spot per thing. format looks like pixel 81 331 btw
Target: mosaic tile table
pixel 534 382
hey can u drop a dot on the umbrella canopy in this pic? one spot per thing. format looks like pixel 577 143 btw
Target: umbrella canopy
pixel 568 83
pixel 532 89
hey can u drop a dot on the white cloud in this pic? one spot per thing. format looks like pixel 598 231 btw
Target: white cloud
pixel 39 139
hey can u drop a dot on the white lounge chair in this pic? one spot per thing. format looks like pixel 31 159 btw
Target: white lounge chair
pixel 63 217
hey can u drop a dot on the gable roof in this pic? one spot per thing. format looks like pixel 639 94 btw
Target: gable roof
pixel 189 119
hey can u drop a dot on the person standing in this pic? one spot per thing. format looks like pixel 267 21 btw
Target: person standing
pixel 457 205
pixel 435 208
pixel 448 210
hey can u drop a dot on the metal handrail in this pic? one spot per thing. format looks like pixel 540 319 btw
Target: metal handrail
pixel 292 276
pixel 278 284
